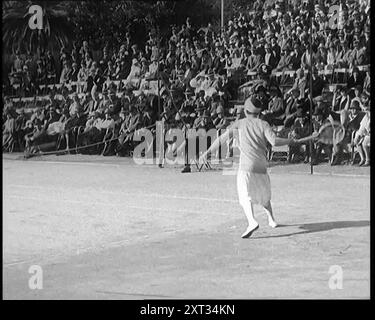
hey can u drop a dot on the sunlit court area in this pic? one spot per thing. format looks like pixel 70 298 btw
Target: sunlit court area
pixel 114 230
pixel 208 149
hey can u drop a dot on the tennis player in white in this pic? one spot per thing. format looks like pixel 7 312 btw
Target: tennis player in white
pixel 253 182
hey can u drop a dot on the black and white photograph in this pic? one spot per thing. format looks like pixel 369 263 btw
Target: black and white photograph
pixel 186 150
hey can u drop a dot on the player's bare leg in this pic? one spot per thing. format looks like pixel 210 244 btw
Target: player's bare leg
pixel 271 220
pixel 249 212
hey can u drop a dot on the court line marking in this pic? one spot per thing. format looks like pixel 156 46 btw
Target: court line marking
pixel 227 171
pixel 93 163
pixel 156 195
pixel 78 163
pixel 109 204
pixel 331 174
pixel 10 264
pixel 134 294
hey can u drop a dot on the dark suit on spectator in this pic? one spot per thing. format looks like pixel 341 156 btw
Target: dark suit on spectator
pixel 270 60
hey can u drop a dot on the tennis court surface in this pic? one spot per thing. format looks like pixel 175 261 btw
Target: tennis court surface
pixel 105 228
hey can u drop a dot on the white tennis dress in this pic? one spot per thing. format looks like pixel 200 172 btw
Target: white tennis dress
pixel 253 182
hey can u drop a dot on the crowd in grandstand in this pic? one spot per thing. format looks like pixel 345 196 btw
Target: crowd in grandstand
pixel 191 78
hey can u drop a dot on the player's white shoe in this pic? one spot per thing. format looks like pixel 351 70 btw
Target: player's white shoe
pixel 272 223
pixel 249 231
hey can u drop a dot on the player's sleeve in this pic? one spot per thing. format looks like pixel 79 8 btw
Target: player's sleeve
pixel 269 133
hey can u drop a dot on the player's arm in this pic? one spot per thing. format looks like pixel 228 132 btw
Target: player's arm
pixel 313 137
pixel 273 139
pixel 219 141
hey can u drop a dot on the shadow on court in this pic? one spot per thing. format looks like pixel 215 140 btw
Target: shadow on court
pixel 318 227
